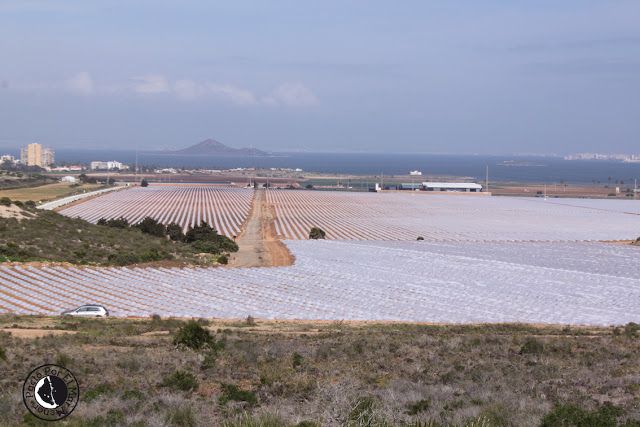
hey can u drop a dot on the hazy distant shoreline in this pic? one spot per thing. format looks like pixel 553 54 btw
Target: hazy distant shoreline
pixel 501 168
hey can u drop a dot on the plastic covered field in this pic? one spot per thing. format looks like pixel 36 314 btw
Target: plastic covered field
pixel 224 208
pixel 572 283
pixel 405 216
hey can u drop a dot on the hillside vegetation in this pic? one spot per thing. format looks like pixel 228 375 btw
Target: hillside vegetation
pixel 49 236
pixel 153 372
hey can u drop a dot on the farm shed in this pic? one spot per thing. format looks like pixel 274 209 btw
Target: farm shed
pixel 452 186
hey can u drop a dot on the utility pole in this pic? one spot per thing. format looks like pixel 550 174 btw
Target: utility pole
pixel 486 179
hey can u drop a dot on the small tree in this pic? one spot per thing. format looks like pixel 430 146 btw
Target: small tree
pixel 175 233
pixel 151 226
pixel 144 183
pixel 193 336
pixel 317 233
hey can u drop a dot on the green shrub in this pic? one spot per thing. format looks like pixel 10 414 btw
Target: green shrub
pixel 121 222
pixel 316 233
pixel 181 417
pixel 193 336
pixel 575 416
pixel 133 395
pixel 297 360
pixel 175 233
pixel 5 201
pixel 231 392
pixel 63 360
pixel 180 380
pixel 419 406
pixel 363 413
pixel 631 330
pixel 265 420
pixel 113 418
pixel 3 354
pixel 223 259
pixel 532 346
pixel 124 259
pixel 97 391
pixel 151 226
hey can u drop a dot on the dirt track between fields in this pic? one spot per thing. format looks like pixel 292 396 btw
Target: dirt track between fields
pixel 258 246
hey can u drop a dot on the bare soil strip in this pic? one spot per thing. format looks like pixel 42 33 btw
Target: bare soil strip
pixel 35 333
pixel 258 244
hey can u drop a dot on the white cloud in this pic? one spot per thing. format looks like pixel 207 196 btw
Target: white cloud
pixel 188 89
pixel 291 95
pixel 81 84
pixel 234 94
pixel 151 83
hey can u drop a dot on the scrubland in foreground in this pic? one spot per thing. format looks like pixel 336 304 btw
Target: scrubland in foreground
pixel 131 372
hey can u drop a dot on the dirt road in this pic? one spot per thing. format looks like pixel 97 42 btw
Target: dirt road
pixel 258 244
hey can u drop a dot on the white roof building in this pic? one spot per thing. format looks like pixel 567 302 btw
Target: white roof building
pixel 452 186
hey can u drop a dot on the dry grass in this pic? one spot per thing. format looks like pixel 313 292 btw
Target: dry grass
pixel 329 373
pixel 47 192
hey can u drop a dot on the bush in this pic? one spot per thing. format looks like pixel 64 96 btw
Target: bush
pixel 97 391
pixel 532 346
pixel 362 413
pixel 297 360
pixel 151 226
pixel 572 415
pixel 175 233
pixel 231 392
pixel 193 336
pixel 204 238
pixel 631 330
pixel 223 259
pixel 180 380
pixel 3 354
pixel 121 222
pixel 5 201
pixel 419 406
pixel 124 259
pixel 144 183
pixel 316 233
pixel 182 417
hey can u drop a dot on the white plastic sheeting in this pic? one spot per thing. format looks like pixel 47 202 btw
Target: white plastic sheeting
pixel 444 218
pixel 70 199
pixel 224 208
pixel 568 283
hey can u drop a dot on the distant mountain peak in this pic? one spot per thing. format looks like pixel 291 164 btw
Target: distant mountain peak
pixel 212 147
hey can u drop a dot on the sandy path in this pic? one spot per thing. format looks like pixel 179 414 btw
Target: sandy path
pixel 258 245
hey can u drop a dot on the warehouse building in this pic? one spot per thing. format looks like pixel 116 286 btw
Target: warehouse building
pixel 468 187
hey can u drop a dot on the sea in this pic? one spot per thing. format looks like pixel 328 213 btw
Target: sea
pixel 501 168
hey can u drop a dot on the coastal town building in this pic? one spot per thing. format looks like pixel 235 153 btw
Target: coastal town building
pixel 37 155
pixel 109 165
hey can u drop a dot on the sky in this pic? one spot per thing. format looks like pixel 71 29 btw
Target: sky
pixel 486 77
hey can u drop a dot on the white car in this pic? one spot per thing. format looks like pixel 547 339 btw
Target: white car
pixel 89 310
